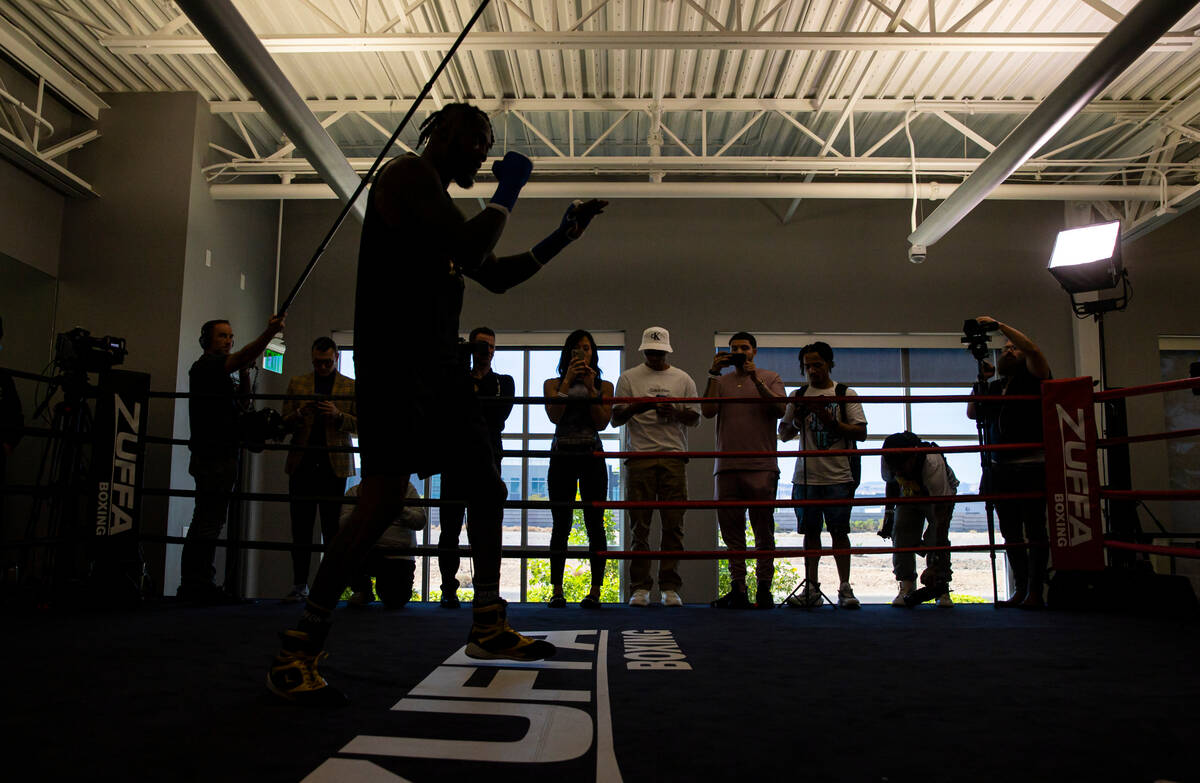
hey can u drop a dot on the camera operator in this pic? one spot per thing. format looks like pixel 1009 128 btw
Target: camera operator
pixel 313 471
pixel 488 387
pixel 745 427
pixel 213 415
pixel 1024 367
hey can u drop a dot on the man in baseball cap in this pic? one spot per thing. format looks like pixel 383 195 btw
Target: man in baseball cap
pixel 656 427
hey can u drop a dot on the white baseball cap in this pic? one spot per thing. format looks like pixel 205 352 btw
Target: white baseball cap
pixel 656 338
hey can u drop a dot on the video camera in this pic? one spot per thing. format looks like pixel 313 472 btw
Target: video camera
pixel 261 425
pixel 77 351
pixel 975 337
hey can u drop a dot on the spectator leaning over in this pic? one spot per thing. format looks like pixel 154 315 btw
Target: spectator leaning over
pixel 312 471
pixel 823 424
pixel 491 388
pixel 577 426
pixel 653 426
pixel 745 427
pixel 213 413
pixel 1024 367
pixel 394 572
pixel 910 476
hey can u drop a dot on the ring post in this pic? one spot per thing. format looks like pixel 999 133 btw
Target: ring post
pixel 1072 476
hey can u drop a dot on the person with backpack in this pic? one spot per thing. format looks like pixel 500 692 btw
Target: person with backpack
pixel 824 424
pixel 918 475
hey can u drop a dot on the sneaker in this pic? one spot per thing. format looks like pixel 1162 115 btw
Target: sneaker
pixel 492 638
pixel 298 593
pixel 811 598
pixel 945 601
pixel 359 598
pixel 671 598
pixel 734 599
pixel 558 602
pixel 906 587
pixel 846 599
pixel 293 675
pixel 640 598
pixel 590 603
pixel 764 599
pixel 450 601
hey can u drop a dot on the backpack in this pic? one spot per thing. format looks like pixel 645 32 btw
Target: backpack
pixel 893 487
pixel 839 390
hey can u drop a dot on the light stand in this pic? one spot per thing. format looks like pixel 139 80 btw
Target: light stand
pixel 1086 260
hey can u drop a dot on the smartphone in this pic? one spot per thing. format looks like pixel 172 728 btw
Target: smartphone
pixel 737 359
pixel 578 355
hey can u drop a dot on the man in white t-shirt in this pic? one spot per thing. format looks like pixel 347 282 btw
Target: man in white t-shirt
pixel 823 424
pixel 656 427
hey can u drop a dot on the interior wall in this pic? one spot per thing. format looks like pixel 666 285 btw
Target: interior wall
pixel 228 272
pixel 133 265
pixel 1165 274
pixel 27 307
pixel 121 272
pixel 701 266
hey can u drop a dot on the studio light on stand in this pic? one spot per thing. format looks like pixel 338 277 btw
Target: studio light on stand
pixel 1088 260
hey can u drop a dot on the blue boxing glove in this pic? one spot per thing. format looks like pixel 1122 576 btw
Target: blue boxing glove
pixel 511 172
pixel 576 219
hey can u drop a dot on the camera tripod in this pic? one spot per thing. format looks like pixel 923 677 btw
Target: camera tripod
pixel 985 482
pixel 62 490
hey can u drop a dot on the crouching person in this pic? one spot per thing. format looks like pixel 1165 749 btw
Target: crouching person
pixel 394 572
pixel 919 524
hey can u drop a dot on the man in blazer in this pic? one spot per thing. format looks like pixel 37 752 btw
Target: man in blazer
pixel 313 472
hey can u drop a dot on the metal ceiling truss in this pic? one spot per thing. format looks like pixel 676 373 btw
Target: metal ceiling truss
pixel 650 97
pixel 28 138
pixel 671 140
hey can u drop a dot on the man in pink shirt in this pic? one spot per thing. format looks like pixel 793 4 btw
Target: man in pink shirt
pixel 746 426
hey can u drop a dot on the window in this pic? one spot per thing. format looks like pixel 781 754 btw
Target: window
pixel 1180 412
pixel 530 358
pixel 890 365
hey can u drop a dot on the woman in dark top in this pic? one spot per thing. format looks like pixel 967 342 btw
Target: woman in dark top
pixel 576 436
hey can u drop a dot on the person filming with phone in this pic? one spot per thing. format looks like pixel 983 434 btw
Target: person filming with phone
pixel 495 392
pixel 745 427
pixel 579 413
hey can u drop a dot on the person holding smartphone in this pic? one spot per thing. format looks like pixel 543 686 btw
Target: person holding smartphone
pixel 745 427
pixel 313 472
pixel 579 415
pixel 495 392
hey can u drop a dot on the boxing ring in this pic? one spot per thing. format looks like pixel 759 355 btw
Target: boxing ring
pixel 114 488
pixel 830 695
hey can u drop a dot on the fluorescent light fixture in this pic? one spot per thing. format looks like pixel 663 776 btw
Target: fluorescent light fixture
pixel 1088 258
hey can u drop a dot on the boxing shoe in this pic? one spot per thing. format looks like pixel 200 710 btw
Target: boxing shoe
pixel 293 675
pixel 492 638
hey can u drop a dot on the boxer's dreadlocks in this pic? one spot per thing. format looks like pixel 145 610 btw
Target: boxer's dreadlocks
pixel 445 116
